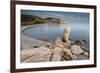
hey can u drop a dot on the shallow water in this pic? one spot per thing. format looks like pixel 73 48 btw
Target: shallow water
pixel 51 31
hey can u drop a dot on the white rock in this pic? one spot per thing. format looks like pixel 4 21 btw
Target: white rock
pixel 67 54
pixel 85 53
pixel 76 50
pixel 56 54
pixel 74 57
pixel 67 44
pixel 56 57
pixel 58 42
pixel 40 54
pixel 57 50
pixel 26 53
pixel 66 34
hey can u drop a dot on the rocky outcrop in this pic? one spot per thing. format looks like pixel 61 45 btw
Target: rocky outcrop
pixel 76 49
pixel 58 43
pixel 58 50
pixel 66 34
pixel 66 54
pixel 40 54
pixel 57 54
pixel 55 51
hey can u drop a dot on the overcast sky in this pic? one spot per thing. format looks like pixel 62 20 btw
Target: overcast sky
pixel 69 17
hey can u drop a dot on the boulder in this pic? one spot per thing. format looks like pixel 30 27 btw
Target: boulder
pixel 85 54
pixel 56 57
pixel 40 54
pixel 80 42
pixel 77 42
pixel 57 54
pixel 68 55
pixel 83 42
pixel 76 49
pixel 74 57
pixel 67 44
pixel 58 43
pixel 26 53
pixel 84 48
pixel 48 45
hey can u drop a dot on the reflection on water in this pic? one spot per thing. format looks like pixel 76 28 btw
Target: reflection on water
pixel 51 31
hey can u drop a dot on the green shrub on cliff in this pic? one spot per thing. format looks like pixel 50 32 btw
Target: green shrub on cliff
pixel 30 20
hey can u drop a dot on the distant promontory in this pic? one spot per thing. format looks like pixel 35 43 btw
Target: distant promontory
pixel 32 19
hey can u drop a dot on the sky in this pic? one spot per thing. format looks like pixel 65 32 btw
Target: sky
pixel 72 18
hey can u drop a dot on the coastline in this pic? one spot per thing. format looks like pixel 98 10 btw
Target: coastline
pixel 34 50
pixel 27 41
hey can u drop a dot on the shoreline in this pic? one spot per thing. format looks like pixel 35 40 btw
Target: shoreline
pixel 34 50
pixel 27 41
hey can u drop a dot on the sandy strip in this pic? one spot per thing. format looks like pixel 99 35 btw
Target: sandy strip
pixel 29 42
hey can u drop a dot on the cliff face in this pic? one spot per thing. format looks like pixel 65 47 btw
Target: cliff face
pixel 29 19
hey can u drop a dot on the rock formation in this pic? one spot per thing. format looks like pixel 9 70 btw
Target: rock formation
pixel 40 54
pixel 66 34
pixel 76 49
pixel 58 50
pixel 57 54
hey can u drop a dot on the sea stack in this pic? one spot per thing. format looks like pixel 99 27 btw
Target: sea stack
pixel 66 34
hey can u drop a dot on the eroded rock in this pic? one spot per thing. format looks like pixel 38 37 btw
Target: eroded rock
pixel 57 54
pixel 40 54
pixel 86 54
pixel 55 51
pixel 67 54
pixel 58 42
pixel 66 34
pixel 76 49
